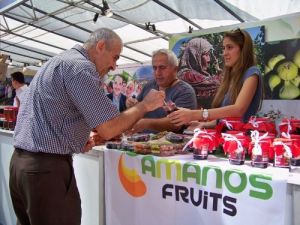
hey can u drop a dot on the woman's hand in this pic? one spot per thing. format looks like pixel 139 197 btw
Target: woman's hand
pixel 181 117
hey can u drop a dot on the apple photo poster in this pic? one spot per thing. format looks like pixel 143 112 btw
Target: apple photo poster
pixel 281 77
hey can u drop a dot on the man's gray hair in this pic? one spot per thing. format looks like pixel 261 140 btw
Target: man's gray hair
pixel 172 58
pixel 105 34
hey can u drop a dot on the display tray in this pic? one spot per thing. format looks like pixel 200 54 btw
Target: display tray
pixel 162 144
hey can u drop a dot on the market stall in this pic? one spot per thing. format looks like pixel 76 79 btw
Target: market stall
pixel 147 189
pixel 120 206
pixel 241 174
pixel 149 186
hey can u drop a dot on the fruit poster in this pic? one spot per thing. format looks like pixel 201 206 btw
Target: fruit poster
pixel 201 61
pixel 128 81
pixel 282 75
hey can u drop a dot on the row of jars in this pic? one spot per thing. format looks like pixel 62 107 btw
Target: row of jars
pixel 261 147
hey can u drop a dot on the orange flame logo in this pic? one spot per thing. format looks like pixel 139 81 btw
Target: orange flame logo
pixel 130 179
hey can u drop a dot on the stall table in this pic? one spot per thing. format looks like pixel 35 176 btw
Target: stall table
pixel 142 209
pixel 178 190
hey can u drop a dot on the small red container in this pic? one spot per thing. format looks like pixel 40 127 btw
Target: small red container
pixel 291 126
pixel 262 124
pixel 283 152
pixel 230 123
pixel 261 160
pixel 200 148
pixel 235 147
pixel 260 157
pixel 10 113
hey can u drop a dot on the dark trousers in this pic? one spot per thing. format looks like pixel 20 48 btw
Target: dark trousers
pixel 43 189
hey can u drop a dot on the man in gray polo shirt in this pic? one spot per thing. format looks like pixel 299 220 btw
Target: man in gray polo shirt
pixel 64 102
pixel 164 63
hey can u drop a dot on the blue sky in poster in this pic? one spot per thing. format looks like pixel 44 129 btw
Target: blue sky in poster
pixel 144 73
pixel 178 44
pixel 253 31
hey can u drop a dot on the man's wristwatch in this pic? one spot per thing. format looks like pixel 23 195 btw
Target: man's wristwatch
pixel 205 114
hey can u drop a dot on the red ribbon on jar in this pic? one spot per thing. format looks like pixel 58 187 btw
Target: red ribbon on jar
pixel 230 123
pixel 290 126
pixel 200 137
pixel 260 148
pixel 235 147
pixel 295 146
pixel 264 124
pixel 283 153
pixel 256 144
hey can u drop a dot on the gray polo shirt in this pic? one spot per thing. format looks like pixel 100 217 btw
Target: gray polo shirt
pixel 182 94
pixel 255 102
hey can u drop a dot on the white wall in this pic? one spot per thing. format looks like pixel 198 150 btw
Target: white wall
pixel 7 214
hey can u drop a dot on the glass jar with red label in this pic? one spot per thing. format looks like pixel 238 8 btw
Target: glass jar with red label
pixel 200 148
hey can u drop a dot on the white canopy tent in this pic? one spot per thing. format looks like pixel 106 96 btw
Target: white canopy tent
pixel 32 31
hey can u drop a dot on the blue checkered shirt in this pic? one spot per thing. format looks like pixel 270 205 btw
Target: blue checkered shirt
pixel 63 103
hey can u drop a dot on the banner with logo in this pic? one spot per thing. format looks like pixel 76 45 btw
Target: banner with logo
pixel 147 190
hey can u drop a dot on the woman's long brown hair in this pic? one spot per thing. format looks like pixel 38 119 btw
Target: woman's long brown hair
pixel 233 76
